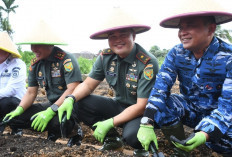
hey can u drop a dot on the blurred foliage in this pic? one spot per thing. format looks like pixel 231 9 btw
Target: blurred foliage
pixel 85 64
pixel 27 56
pixel 8 8
pixel 158 53
pixel 223 33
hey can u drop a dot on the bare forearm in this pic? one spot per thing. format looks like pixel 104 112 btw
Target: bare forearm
pixel 68 91
pixel 81 91
pixel 131 112
pixel 127 115
pixel 85 88
pixel 28 99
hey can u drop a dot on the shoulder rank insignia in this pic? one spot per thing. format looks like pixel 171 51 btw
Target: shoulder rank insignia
pixel 60 55
pixel 143 57
pixel 34 60
pixel 107 51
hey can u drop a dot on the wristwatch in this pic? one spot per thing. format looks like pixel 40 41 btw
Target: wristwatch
pixel 54 108
pixel 147 121
pixel 71 97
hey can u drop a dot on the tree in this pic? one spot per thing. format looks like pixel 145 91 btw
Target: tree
pixel 157 52
pixel 223 33
pixel 9 7
pixel 0 20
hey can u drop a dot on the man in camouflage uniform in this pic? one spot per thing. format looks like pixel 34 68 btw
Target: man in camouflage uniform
pixel 129 70
pixel 203 65
pixel 56 73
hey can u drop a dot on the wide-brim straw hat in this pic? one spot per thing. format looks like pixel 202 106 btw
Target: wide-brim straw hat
pixel 42 34
pixel 189 8
pixel 7 45
pixel 119 19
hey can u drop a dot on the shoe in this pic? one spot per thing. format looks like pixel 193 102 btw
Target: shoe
pixel 112 143
pixel 140 152
pixel 2 128
pixel 76 139
pixel 52 137
pixel 17 131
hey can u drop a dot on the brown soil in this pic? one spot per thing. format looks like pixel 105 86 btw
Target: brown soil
pixel 34 144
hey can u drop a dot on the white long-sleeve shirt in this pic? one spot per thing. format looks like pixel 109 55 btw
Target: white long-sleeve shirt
pixel 12 78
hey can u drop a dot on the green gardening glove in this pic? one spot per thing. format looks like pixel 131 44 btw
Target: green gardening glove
pixel 18 111
pixel 102 129
pixel 146 135
pixel 41 119
pixel 66 106
pixel 192 142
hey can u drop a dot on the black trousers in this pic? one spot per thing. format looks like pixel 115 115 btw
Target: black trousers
pixel 94 108
pixel 7 105
pixel 53 127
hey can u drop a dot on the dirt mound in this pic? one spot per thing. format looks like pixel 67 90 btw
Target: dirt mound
pixel 34 144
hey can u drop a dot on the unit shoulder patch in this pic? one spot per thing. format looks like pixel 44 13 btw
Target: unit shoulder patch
pixel 68 66
pixel 143 57
pixel 34 61
pixel 148 72
pixel 60 55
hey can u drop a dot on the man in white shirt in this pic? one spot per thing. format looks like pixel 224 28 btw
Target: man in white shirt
pixel 12 77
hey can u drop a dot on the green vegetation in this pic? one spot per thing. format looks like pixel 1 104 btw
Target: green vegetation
pixel 223 33
pixel 85 64
pixel 7 8
pixel 27 56
pixel 158 53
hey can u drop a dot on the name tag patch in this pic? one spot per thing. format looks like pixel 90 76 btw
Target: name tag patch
pixel 109 73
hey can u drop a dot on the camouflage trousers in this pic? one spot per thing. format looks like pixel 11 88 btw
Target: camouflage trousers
pixel 180 109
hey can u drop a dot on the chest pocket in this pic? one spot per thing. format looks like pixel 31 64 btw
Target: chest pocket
pixel 212 76
pixel 212 87
pixel 5 76
pixel 111 79
pixel 131 88
pixel 111 74
pixel 57 81
pixel 41 81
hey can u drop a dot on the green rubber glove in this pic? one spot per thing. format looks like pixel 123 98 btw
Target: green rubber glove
pixel 18 111
pixel 66 106
pixel 198 139
pixel 102 129
pixel 41 119
pixel 146 135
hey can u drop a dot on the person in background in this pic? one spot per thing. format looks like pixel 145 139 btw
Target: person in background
pixel 129 70
pixel 203 65
pixel 56 73
pixel 12 78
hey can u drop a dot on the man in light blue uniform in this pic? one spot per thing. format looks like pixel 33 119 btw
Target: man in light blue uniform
pixel 203 65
